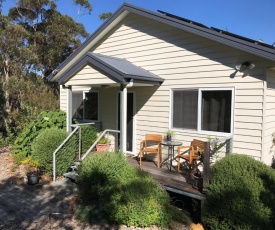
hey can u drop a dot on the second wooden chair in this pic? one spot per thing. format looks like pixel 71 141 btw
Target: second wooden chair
pixel 192 154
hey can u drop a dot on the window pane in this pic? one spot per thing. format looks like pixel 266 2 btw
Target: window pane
pixel 77 105
pixel 91 106
pixel 185 109
pixel 216 111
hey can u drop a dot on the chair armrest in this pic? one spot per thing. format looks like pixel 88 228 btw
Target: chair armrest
pixel 198 151
pixel 184 147
pixel 142 144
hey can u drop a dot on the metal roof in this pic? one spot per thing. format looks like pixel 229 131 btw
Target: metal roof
pixel 117 69
pixel 238 42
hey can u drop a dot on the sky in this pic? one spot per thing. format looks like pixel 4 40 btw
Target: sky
pixel 254 19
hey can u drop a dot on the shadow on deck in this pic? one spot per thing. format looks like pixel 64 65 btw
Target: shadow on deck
pixel 171 181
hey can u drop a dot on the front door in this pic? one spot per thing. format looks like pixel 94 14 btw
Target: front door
pixel 130 121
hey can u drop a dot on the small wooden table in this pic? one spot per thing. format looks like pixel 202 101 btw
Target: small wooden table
pixel 171 156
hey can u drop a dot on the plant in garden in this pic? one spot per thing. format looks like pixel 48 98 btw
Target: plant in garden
pixel 114 192
pixel 30 165
pixel 240 195
pixel 88 133
pixel 46 119
pixel 46 143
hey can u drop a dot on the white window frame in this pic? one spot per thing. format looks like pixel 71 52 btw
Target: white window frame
pixel 83 98
pixel 199 130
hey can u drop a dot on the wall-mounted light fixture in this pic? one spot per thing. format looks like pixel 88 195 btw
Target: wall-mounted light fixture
pixel 248 64
pixel 243 67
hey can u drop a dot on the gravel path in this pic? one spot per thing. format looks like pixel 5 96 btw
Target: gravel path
pixel 43 206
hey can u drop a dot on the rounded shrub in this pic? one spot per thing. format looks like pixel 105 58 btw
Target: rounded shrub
pixel 88 136
pixel 46 119
pixel 240 195
pixel 114 192
pixel 45 144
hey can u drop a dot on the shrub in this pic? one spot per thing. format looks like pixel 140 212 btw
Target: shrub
pixel 46 119
pixel 88 136
pixel 46 143
pixel 113 191
pixel 240 195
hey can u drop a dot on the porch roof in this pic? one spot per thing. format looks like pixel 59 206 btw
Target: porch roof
pixel 117 69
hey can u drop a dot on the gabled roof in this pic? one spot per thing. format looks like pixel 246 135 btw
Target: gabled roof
pixel 223 37
pixel 119 70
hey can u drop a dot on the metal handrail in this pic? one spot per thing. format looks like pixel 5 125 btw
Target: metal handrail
pixel 220 139
pixel 97 140
pixel 76 126
pixel 60 146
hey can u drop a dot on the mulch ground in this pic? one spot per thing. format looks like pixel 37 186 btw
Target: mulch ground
pixel 48 205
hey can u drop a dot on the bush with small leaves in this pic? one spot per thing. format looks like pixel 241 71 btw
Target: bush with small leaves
pixel 46 119
pixel 46 143
pixel 88 136
pixel 240 195
pixel 114 192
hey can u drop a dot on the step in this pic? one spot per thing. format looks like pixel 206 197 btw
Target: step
pixel 71 175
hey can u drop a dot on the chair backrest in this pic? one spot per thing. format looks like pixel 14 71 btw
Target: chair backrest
pixel 197 144
pixel 153 138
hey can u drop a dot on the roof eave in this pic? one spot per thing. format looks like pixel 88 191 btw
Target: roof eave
pixel 90 42
pixel 122 12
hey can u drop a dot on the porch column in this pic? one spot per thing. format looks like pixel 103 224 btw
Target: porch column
pixel 123 117
pixel 69 109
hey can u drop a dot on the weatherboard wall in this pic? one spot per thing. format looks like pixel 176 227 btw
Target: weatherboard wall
pixel 187 61
pixel 269 129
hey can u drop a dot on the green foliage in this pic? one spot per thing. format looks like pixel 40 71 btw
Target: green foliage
pixel 240 195
pixel 105 16
pixel 114 192
pixel 273 162
pixel 46 143
pixel 34 39
pixel 103 139
pixel 46 119
pixel 88 133
pixel 24 89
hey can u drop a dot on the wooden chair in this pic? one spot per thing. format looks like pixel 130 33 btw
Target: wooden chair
pixel 151 144
pixel 196 148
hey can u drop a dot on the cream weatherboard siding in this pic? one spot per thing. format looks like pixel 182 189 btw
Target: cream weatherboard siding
pixel 269 148
pixel 89 75
pixel 63 99
pixel 187 61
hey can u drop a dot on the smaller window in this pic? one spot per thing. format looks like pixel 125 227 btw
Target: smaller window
pixel 91 106
pixel 85 105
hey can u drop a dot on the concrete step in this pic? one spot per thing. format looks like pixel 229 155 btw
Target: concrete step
pixel 71 175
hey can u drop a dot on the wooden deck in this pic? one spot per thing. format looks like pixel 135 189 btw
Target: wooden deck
pixel 171 180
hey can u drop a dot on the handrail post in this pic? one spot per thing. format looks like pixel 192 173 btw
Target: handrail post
pixel 206 163
pixel 79 144
pixel 54 168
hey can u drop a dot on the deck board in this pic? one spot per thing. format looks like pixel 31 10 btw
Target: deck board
pixel 170 180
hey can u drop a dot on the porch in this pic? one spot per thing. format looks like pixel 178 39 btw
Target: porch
pixel 169 178
pixel 171 181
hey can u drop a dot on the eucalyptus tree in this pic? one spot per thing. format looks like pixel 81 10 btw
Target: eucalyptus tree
pixel 34 39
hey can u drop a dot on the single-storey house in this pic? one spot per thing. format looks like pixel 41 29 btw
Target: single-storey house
pixel 147 72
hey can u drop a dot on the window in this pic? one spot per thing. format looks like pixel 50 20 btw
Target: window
pixel 85 105
pixel 205 110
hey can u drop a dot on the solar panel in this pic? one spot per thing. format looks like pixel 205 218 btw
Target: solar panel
pixel 182 19
pixel 242 38
pixel 218 30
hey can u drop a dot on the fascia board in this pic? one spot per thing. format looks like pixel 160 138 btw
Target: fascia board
pixel 89 43
pixel 89 60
